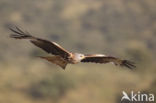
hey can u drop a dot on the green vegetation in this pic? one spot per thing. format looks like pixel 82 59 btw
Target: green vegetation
pixel 54 87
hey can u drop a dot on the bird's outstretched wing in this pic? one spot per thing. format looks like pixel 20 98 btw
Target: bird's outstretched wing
pixel 106 59
pixel 49 47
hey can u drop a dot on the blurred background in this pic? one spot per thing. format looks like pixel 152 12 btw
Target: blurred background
pixel 122 28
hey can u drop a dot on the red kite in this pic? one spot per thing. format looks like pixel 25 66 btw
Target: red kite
pixel 63 57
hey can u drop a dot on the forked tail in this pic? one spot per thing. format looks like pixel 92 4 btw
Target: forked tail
pixel 56 60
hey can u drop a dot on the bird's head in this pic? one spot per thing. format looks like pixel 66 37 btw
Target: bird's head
pixel 79 56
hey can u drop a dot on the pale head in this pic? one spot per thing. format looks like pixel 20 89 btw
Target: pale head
pixel 78 56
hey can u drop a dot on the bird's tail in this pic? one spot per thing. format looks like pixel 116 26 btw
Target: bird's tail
pixel 19 34
pixel 56 60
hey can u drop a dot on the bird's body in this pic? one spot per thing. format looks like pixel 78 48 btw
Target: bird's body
pixel 63 57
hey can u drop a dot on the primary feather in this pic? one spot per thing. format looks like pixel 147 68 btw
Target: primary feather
pixel 49 47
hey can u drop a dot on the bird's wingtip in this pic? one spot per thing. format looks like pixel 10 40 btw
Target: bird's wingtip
pixel 129 64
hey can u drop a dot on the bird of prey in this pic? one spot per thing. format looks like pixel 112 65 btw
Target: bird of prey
pixel 62 57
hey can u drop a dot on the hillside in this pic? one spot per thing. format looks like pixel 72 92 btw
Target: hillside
pixel 123 28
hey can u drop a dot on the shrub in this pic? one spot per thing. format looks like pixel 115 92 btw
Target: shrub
pixel 53 87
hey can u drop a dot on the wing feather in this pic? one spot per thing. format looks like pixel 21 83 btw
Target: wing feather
pixel 49 47
pixel 108 59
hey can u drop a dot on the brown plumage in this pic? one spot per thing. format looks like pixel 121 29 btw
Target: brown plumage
pixel 107 59
pixel 63 57
pixel 56 60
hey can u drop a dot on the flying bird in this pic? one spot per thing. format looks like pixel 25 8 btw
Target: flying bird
pixel 62 57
